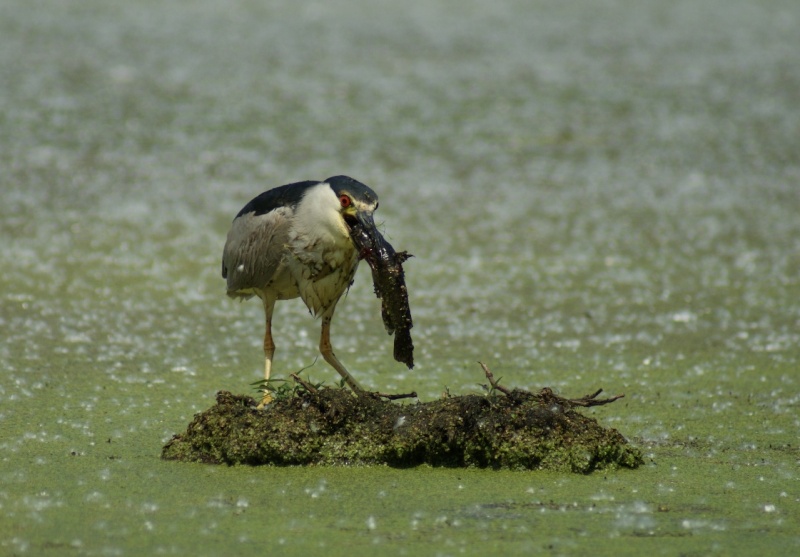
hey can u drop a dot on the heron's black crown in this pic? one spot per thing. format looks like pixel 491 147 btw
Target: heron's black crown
pixel 362 192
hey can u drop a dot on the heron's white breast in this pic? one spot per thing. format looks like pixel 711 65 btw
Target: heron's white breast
pixel 324 255
pixel 317 219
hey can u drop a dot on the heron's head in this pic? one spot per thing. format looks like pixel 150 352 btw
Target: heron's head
pixel 357 203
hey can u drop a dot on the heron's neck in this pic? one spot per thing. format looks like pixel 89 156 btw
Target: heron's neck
pixel 317 219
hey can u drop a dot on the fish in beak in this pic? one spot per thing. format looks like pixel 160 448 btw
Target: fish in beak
pixel 388 279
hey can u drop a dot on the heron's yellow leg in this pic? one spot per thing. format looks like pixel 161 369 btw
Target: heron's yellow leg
pixel 269 352
pixel 326 350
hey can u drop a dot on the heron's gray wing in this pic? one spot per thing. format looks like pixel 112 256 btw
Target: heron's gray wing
pixel 254 250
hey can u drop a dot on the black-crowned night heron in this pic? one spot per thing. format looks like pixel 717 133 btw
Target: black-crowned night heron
pixel 295 241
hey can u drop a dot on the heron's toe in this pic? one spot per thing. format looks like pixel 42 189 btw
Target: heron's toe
pixel 265 400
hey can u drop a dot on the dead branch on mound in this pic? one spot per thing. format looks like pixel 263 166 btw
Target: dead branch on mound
pixel 585 401
pixel 592 400
pixel 494 383
pixel 397 396
pixel 306 385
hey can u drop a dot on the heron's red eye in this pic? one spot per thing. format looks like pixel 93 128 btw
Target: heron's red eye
pixel 345 201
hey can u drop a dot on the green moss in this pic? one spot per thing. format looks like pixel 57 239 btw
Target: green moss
pixel 334 427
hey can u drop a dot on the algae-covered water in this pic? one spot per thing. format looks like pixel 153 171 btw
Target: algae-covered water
pixel 597 194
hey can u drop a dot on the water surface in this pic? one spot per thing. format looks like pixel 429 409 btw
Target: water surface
pixel 596 195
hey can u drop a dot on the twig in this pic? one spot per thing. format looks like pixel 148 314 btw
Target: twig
pixel 495 384
pixel 585 401
pixel 397 396
pixel 306 385
pixel 592 400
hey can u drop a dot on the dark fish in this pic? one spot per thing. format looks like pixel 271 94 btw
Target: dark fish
pixel 390 286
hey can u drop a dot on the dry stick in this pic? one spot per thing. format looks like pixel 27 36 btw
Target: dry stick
pixel 495 384
pixel 592 400
pixel 306 385
pixel 586 401
pixel 397 396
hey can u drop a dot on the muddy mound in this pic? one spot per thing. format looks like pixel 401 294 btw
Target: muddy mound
pixel 512 429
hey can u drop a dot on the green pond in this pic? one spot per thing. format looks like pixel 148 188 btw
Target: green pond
pixel 597 195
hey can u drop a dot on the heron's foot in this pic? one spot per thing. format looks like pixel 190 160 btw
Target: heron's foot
pixel 265 400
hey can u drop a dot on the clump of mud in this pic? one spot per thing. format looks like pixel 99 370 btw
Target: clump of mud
pixel 512 429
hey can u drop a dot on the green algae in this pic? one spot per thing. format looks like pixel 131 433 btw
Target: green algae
pixel 329 426
pixel 600 194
